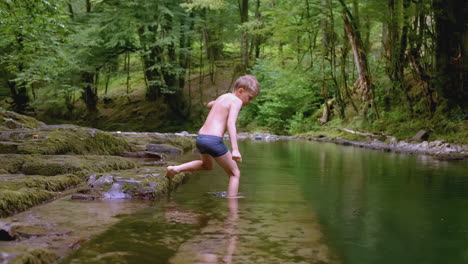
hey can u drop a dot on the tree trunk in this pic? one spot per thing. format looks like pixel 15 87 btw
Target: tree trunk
pixel 88 6
pixel 244 15
pixel 211 38
pixel 127 62
pixel 89 96
pixel 151 58
pixel 20 97
pixel 364 82
pixel 451 50
pixel 152 76
pixel 257 38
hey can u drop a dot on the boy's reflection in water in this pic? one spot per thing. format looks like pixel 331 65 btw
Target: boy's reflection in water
pixel 216 242
pixel 230 233
pixel 230 229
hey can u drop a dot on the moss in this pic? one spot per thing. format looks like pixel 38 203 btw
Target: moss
pixel 151 182
pixel 54 183
pixel 27 121
pixel 184 143
pixel 9 147
pixel 49 183
pixel 12 202
pixel 12 163
pixel 36 256
pixel 79 141
pixel 142 140
pixel 63 164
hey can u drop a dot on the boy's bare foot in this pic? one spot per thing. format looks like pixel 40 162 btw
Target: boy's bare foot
pixel 170 172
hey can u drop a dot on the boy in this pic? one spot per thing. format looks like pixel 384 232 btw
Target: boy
pixel 222 116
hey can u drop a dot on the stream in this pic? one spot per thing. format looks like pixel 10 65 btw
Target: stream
pixel 305 202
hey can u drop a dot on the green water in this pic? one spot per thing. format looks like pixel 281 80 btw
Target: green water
pixel 305 202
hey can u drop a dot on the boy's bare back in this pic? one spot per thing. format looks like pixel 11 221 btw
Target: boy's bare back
pixel 223 115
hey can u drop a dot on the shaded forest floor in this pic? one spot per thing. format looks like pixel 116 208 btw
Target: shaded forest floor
pixel 125 108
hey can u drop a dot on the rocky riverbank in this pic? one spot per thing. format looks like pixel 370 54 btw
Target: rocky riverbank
pixel 42 163
pixel 438 149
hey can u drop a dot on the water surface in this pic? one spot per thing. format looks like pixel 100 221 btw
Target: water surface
pixel 305 202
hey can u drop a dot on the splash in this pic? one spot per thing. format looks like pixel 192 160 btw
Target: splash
pixel 116 192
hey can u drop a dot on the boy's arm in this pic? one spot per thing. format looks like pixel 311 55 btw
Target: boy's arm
pixel 210 104
pixel 232 130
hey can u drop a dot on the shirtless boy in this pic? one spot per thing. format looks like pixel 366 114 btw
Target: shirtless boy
pixel 222 117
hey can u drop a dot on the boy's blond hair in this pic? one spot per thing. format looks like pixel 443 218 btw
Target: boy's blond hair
pixel 249 83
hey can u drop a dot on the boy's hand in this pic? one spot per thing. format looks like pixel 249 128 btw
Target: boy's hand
pixel 236 156
pixel 210 104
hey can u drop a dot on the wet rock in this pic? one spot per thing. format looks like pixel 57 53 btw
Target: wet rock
pixel 421 135
pixel 7 232
pixel 156 163
pixel 28 231
pixel 8 257
pixel 91 179
pixel 143 154
pixel 80 196
pixel 170 151
pixel 104 180
pixel 129 182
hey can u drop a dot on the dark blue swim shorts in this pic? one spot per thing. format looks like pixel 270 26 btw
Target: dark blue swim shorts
pixel 212 145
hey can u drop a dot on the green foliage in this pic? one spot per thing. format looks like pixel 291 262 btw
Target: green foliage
pixel 284 94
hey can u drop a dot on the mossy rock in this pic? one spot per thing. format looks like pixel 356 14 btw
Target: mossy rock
pixel 54 183
pixel 35 256
pixel 12 163
pixel 62 164
pixel 25 121
pixel 49 183
pixel 9 147
pixel 143 183
pixel 183 143
pixel 12 202
pixel 80 141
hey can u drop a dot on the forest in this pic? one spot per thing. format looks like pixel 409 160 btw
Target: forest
pixel 390 67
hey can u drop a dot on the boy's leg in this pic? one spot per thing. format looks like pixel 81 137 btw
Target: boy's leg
pixel 206 163
pixel 230 167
